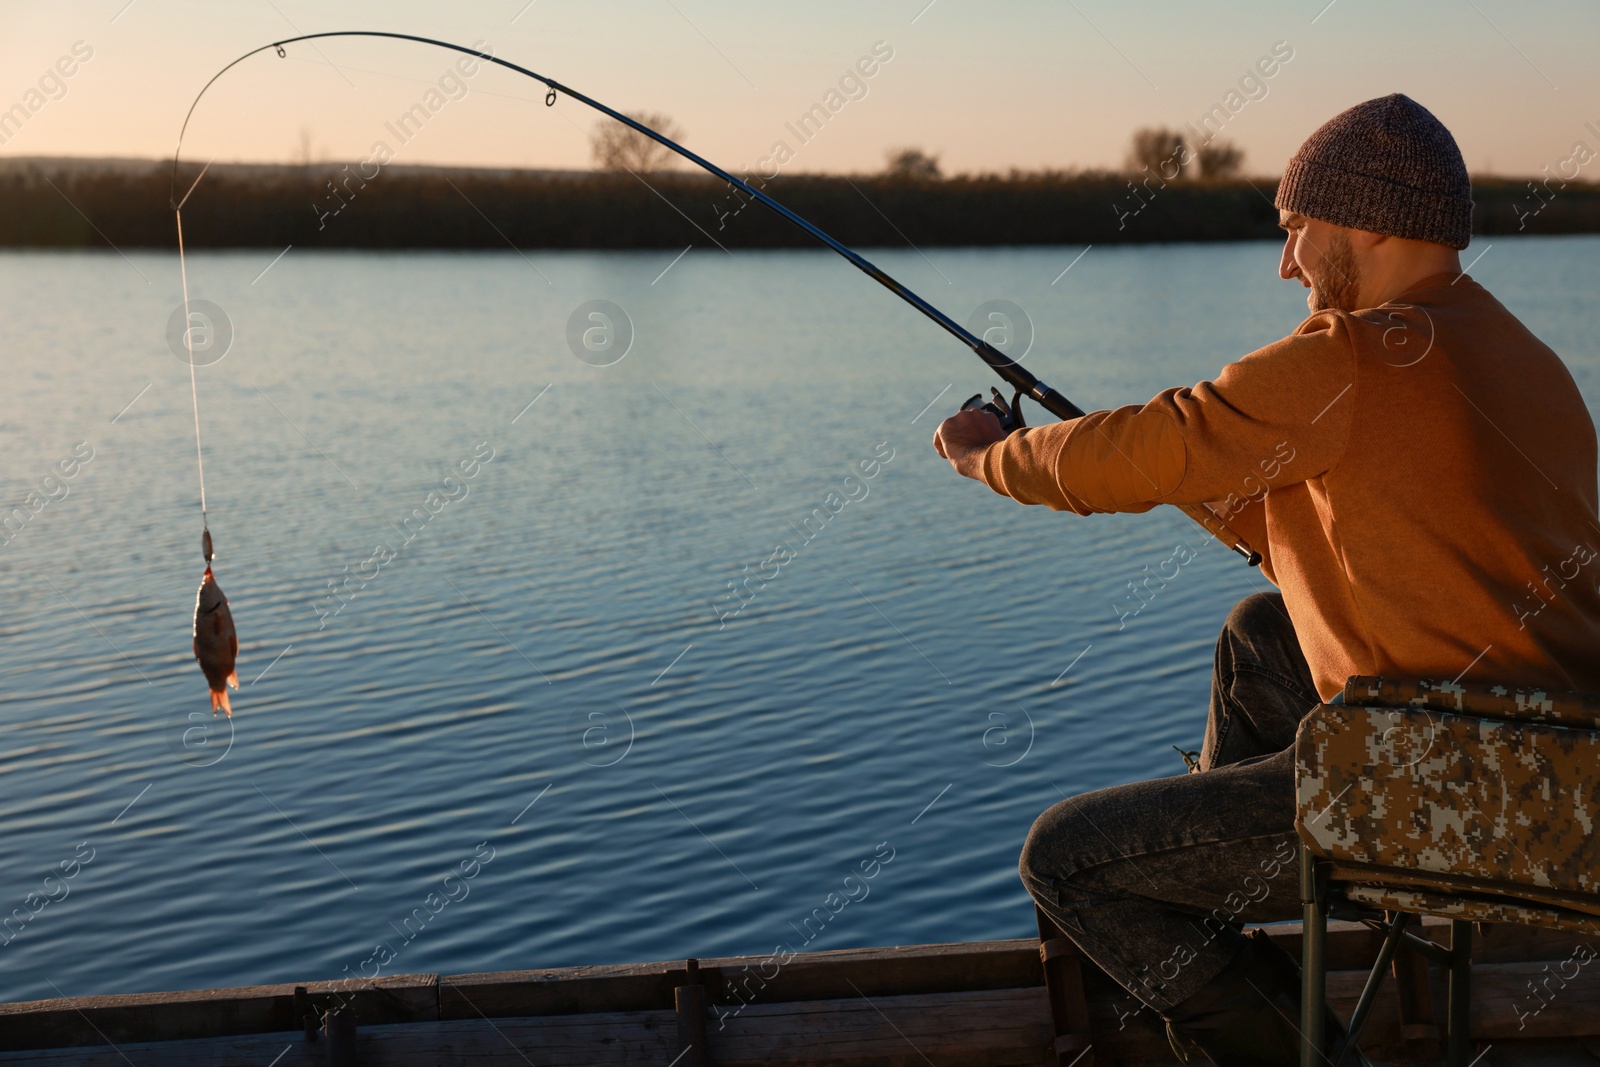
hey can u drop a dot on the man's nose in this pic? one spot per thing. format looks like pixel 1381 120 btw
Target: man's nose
pixel 1287 267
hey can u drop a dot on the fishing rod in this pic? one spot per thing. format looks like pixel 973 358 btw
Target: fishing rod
pixel 1022 381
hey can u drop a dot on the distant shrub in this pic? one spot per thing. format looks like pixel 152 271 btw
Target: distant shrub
pixel 51 205
pixel 911 164
pixel 615 146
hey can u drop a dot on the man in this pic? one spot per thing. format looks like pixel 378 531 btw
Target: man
pixel 1418 473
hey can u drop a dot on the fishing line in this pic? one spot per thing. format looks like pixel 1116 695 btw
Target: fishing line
pixel 216 641
pixel 194 394
pixel 1020 379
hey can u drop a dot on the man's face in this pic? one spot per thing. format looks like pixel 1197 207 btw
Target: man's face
pixel 1320 255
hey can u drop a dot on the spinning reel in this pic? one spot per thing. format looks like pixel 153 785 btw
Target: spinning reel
pixel 1010 415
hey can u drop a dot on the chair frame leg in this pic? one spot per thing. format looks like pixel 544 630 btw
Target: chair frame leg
pixel 1458 1020
pixel 1369 993
pixel 1419 1031
pixel 1313 961
pixel 1314 973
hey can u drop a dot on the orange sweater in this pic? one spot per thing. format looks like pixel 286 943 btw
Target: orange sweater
pixel 1419 478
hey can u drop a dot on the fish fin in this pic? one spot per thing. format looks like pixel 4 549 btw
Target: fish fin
pixel 233 680
pixel 219 699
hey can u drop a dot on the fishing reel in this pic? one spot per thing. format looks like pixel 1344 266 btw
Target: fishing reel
pixel 1010 415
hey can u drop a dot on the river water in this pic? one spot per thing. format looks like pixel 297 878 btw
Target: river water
pixel 534 676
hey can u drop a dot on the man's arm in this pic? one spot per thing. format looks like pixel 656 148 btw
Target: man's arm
pixel 1278 416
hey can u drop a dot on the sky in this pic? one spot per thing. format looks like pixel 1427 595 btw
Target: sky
pixel 984 86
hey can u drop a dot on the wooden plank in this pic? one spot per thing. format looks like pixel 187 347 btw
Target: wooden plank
pixel 632 1038
pixel 558 991
pixel 142 1017
pixel 600 1040
pixel 1503 943
pixel 989 1028
pixel 1505 1004
pixel 740 979
pixel 1575 1053
pixel 886 971
pixel 256 1050
pixel 1350 944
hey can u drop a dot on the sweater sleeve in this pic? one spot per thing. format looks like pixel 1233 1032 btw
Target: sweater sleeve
pixel 1279 416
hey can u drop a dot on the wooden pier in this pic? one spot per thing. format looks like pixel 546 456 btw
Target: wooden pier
pixel 978 1004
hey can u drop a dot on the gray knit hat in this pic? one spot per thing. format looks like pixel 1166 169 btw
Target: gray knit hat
pixel 1385 166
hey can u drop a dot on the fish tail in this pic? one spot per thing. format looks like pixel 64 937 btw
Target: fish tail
pixel 219 699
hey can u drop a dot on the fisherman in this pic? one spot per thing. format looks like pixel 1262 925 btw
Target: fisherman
pixel 1435 518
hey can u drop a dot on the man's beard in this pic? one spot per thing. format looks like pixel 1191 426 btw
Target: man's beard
pixel 1339 287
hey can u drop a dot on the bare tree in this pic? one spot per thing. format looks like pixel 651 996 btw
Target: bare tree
pixel 1163 152
pixel 618 147
pixel 912 164
pixel 1220 159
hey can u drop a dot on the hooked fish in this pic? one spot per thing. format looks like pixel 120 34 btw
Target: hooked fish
pixel 216 645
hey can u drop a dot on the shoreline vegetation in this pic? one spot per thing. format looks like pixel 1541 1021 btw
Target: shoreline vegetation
pixel 73 203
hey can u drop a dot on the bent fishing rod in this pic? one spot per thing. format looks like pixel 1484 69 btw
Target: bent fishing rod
pixel 1022 381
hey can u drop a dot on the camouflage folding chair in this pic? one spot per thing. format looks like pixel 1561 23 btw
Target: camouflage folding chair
pixel 1472 802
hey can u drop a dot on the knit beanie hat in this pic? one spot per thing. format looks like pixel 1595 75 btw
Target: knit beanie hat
pixel 1386 166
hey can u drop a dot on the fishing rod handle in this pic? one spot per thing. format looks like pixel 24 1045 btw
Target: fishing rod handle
pixel 1213 524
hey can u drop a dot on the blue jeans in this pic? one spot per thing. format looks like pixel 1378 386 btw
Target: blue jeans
pixel 1153 880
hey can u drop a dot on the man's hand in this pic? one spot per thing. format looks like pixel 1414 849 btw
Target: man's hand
pixel 963 437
